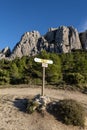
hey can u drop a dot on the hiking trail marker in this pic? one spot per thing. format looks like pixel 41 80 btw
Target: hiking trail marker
pixel 45 63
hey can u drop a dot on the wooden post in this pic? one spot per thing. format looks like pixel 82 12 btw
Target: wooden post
pixel 45 63
pixel 43 85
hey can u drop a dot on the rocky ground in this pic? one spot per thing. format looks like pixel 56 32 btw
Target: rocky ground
pixel 14 117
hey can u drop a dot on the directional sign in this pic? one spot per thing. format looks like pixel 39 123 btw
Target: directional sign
pixel 43 61
pixel 44 65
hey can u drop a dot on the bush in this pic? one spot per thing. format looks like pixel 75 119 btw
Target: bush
pixel 31 106
pixel 71 112
pixel 74 78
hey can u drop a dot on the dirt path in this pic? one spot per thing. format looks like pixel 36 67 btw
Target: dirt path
pixel 12 116
pixel 53 93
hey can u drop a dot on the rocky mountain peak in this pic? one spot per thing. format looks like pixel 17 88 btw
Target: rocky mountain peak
pixel 27 45
pixel 58 40
pixel 64 39
pixel 6 52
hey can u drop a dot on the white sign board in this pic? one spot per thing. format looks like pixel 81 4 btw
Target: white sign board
pixel 43 61
pixel 44 65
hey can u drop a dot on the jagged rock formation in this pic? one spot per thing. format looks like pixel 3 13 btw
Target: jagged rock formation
pixel 27 45
pixel 58 40
pixel 63 39
pixel 5 53
pixel 42 44
pixel 83 39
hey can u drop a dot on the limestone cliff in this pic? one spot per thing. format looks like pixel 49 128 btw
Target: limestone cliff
pixel 83 39
pixel 27 45
pixel 58 40
pixel 63 39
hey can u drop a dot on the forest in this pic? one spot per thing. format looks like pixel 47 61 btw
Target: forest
pixel 69 69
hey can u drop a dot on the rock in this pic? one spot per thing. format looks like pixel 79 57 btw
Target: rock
pixel 43 100
pixel 57 40
pixel 42 44
pixel 38 103
pixel 83 39
pixel 63 39
pixel 27 45
pixel 50 35
pixel 6 51
pixel 2 56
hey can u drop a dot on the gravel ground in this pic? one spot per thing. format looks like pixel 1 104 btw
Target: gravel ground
pixel 14 117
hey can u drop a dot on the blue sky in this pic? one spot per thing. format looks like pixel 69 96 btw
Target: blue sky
pixel 20 16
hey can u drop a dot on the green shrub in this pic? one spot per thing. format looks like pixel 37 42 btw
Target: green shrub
pixel 71 112
pixel 31 106
pixel 74 78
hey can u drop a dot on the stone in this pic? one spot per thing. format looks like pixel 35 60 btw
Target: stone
pixel 27 45
pixel 58 40
pixel 6 52
pixel 2 56
pixel 83 39
pixel 38 103
pixel 63 39
pixel 42 44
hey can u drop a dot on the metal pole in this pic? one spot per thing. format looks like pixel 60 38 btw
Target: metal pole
pixel 43 85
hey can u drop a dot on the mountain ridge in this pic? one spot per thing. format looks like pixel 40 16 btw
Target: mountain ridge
pixel 63 39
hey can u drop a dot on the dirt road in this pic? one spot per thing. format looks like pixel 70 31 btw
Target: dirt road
pixel 53 93
pixel 13 117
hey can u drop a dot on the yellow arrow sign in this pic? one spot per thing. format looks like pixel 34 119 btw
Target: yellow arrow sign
pixel 43 61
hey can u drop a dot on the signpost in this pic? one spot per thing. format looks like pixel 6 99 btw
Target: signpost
pixel 45 63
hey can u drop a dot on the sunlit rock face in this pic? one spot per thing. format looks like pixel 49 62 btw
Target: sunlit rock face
pixel 5 53
pixel 58 40
pixel 27 45
pixel 63 39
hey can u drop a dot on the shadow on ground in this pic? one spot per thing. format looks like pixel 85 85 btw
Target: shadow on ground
pixel 21 104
